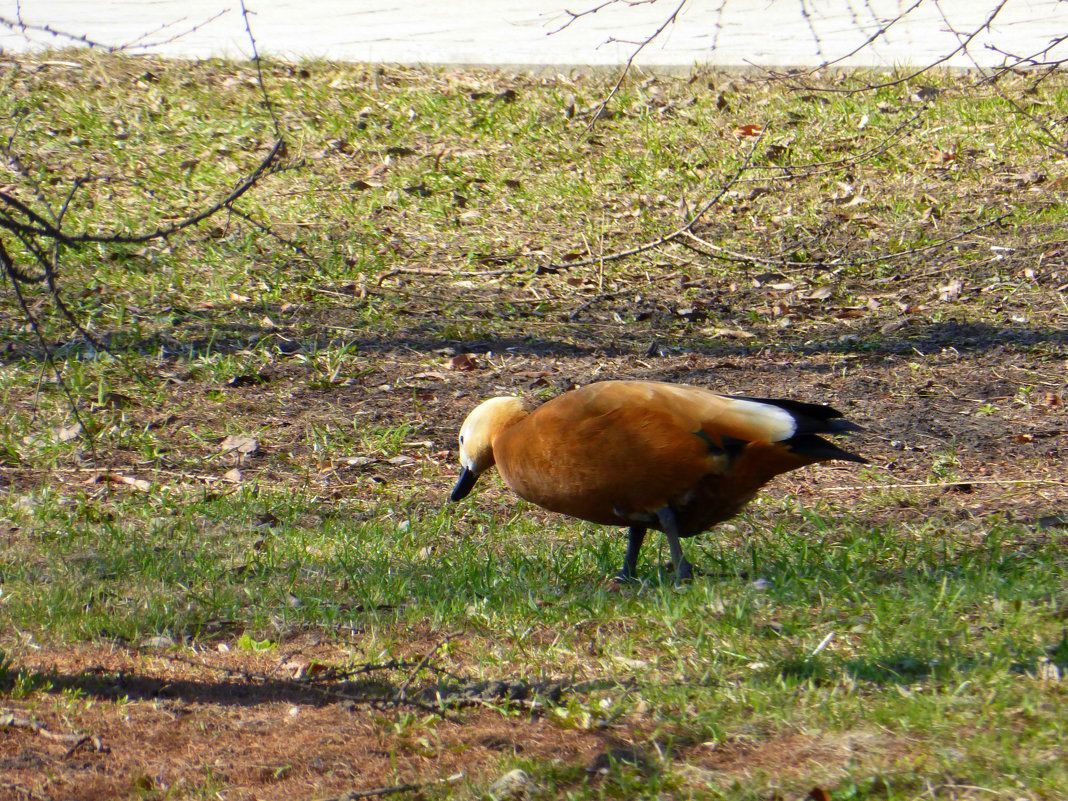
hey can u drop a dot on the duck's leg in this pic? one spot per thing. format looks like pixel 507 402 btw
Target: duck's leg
pixel 670 525
pixel 636 536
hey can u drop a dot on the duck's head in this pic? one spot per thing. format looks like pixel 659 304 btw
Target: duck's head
pixel 477 434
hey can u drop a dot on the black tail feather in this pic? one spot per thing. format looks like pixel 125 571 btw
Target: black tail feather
pixel 819 448
pixel 813 419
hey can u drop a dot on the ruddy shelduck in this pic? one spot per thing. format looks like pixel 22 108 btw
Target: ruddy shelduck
pixel 645 454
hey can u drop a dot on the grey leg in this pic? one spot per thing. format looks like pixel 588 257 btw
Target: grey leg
pixel 670 524
pixel 634 545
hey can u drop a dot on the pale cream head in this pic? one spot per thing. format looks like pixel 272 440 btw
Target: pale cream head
pixel 483 425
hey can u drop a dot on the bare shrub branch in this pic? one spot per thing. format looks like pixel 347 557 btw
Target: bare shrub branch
pixel 39 227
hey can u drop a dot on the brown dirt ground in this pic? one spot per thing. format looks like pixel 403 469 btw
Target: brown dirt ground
pixel 178 723
pixel 161 724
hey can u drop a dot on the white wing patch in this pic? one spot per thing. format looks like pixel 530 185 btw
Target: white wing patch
pixel 777 423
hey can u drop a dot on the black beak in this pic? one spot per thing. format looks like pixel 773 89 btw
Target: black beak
pixel 464 485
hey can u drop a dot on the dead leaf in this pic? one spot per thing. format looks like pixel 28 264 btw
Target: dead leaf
pixel 942 157
pixel 246 446
pixel 462 362
pixel 247 380
pixel 730 333
pixel 748 131
pixel 296 667
pixel 232 475
pixel 66 434
pixel 236 298
pixel 1054 400
pixel 822 293
pixel 136 483
pixel 950 291
pixel 358 461
pixel 819 794
pixel 116 400
pixel 894 325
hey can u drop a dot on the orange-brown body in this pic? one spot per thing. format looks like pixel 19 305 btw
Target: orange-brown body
pixel 645 454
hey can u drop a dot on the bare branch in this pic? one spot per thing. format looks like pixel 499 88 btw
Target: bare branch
pixel 694 217
pixel 38 225
pixel 964 41
pixel 142 42
pixel 394 789
pixel 641 46
pixel 576 15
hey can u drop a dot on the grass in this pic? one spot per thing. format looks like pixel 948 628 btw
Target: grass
pixel 882 643
pixel 933 640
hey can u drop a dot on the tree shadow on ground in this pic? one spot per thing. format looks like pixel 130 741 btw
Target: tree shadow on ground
pixel 220 334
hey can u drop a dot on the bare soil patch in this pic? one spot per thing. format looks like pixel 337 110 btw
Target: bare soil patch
pixel 177 725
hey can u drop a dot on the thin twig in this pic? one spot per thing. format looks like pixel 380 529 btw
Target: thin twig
pixel 26 27
pixel 573 15
pixel 626 67
pixel 867 43
pixel 341 695
pixel 401 696
pixel 694 217
pixel 13 721
pixel 949 484
pixel 267 104
pixel 453 273
pixel 49 358
pixel 617 293
pixel 272 233
pixel 142 41
pixel 393 789
pixel 41 226
pixel 961 47
pixel 816 168
pixel 732 255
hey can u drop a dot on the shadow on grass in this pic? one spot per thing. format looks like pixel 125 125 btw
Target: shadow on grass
pixel 900 669
pixel 905 668
pixel 201 334
pixel 242 688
